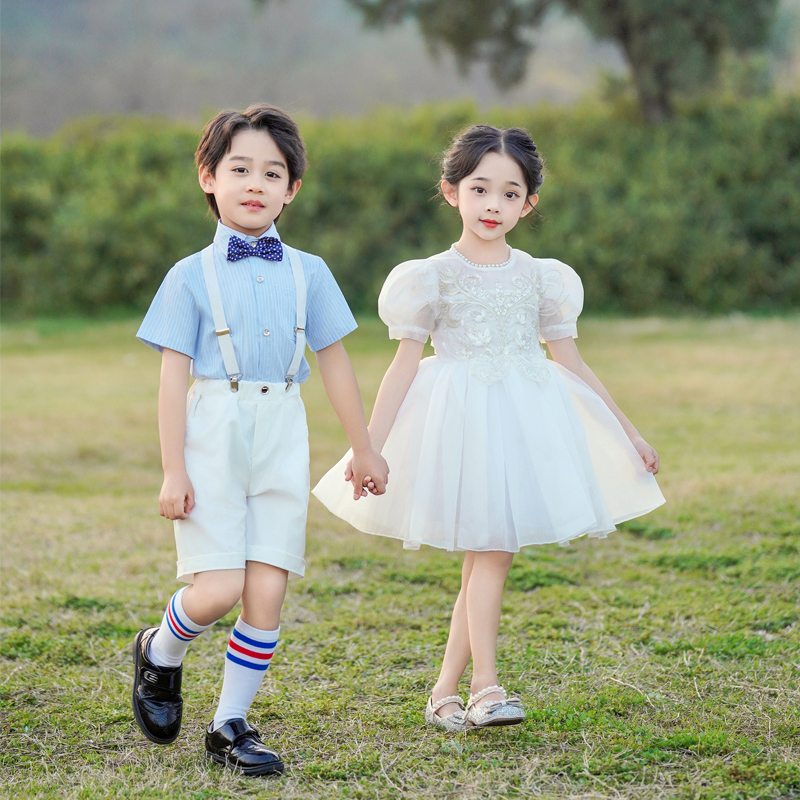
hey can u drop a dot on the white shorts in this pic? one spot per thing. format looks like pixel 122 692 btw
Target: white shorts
pixel 247 458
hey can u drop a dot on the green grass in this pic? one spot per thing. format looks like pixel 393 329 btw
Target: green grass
pixel 663 662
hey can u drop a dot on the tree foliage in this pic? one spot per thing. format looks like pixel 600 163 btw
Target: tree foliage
pixel 699 213
pixel 671 46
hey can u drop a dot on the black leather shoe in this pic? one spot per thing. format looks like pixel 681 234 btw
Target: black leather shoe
pixel 238 746
pixel 157 701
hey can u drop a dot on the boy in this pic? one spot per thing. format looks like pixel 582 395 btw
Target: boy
pixel 236 477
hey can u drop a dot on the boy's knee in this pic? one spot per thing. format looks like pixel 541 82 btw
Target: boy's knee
pixel 264 579
pixel 217 592
pixel 264 591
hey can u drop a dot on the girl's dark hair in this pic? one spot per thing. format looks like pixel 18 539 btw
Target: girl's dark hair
pixel 471 145
pixel 216 140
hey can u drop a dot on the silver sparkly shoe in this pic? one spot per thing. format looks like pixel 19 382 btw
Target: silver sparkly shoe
pixel 508 711
pixel 453 722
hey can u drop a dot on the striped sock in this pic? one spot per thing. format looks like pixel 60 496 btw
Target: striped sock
pixel 177 631
pixel 246 662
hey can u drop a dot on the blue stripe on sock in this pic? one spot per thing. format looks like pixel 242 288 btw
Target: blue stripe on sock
pixel 177 634
pixel 243 663
pixel 254 642
pixel 178 616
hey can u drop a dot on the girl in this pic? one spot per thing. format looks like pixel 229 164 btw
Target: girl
pixel 492 446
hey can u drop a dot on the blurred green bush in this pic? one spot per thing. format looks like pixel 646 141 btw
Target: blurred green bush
pixel 702 212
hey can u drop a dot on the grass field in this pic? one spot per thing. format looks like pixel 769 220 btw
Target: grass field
pixel 663 662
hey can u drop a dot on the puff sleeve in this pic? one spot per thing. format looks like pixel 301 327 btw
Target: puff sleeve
pixel 561 301
pixel 408 300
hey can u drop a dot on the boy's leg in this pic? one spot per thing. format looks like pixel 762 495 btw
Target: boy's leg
pixel 250 648
pixel 191 610
pixel 158 652
pixel 253 640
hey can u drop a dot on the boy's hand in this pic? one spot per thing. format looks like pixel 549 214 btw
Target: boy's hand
pixel 367 470
pixel 177 496
pixel 648 454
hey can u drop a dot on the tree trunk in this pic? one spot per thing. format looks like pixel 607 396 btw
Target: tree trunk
pixel 652 88
pixel 656 106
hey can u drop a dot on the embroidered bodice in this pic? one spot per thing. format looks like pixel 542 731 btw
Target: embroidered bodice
pixel 492 318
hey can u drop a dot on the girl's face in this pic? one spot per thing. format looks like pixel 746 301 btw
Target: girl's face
pixel 493 198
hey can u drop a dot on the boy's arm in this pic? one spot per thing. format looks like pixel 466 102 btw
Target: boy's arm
pixel 341 386
pixel 565 352
pixel 177 495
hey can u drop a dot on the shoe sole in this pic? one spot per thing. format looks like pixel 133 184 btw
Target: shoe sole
pixel 273 768
pixel 136 713
pixel 471 726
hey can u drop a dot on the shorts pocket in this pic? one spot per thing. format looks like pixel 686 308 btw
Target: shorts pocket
pixel 191 406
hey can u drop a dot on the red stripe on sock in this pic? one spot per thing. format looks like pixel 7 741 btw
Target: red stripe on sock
pixel 252 653
pixel 177 624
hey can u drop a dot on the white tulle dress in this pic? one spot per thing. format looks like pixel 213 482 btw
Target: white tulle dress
pixel 495 447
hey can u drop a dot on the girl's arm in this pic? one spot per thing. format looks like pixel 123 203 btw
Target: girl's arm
pixel 341 386
pixel 565 352
pixel 177 495
pixel 393 390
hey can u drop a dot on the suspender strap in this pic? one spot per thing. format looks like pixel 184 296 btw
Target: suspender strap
pixel 221 326
pixel 300 326
pixel 224 333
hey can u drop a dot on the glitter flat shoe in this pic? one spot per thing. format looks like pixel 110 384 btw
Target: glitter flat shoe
pixel 508 711
pixel 452 722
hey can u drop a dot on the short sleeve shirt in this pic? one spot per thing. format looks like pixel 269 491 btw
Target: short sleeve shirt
pixel 259 299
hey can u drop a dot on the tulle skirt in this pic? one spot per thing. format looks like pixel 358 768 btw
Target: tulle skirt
pixel 499 466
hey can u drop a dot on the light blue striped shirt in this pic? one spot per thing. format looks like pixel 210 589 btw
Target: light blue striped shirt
pixel 260 305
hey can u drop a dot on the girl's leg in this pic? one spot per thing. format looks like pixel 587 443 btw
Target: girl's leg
pixel 457 653
pixel 253 640
pixel 484 598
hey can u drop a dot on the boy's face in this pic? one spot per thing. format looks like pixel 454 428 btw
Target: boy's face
pixel 250 184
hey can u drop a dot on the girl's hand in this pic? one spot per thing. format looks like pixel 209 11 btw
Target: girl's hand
pixel 648 454
pixel 177 496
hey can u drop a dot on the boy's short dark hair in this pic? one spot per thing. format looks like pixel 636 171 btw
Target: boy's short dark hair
pixel 216 140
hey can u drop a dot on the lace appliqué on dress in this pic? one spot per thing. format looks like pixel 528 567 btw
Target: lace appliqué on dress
pixel 494 327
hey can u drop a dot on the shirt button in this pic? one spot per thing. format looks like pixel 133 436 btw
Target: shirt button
pixel 265 332
pixel 260 279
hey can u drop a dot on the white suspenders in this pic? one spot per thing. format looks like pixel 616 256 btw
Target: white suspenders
pixel 224 333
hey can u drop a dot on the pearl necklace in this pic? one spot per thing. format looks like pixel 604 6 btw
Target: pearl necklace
pixel 483 266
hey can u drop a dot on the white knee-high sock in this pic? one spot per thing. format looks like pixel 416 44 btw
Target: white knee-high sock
pixel 177 632
pixel 246 662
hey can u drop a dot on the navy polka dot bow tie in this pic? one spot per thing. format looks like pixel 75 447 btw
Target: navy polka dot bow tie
pixel 269 247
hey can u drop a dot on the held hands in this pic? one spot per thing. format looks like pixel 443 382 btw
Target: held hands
pixel 177 496
pixel 648 454
pixel 367 471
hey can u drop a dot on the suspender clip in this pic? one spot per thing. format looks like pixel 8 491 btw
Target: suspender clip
pixel 234 379
pixel 298 328
pixel 289 382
